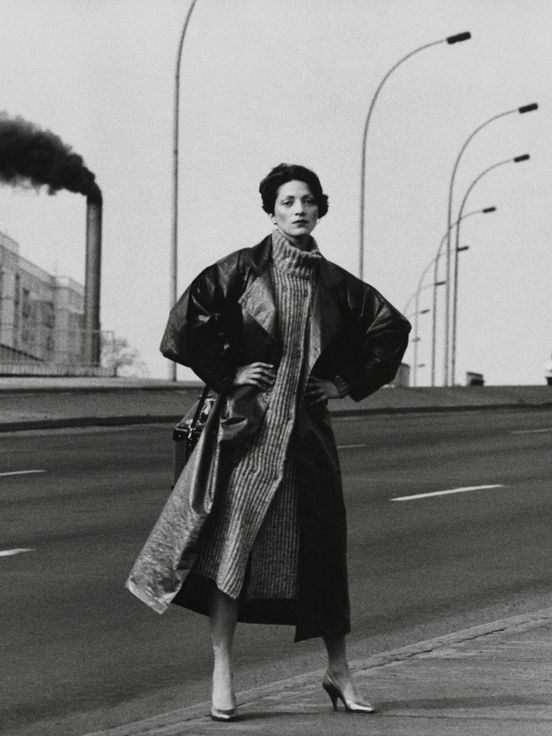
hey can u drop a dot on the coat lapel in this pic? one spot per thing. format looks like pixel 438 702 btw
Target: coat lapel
pixel 257 301
pixel 327 315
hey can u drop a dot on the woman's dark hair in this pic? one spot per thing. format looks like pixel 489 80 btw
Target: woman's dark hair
pixel 283 173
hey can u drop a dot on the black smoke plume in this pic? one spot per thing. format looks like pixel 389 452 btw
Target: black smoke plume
pixel 29 155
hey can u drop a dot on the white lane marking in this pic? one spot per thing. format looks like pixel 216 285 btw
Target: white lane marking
pixel 531 431
pixel 346 447
pixel 445 493
pixel 18 551
pixel 22 472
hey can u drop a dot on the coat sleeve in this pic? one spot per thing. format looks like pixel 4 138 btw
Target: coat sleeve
pixel 381 334
pixel 197 333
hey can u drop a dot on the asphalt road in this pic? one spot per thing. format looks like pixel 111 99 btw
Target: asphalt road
pixel 79 653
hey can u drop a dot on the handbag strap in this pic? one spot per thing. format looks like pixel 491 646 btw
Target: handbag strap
pixel 197 414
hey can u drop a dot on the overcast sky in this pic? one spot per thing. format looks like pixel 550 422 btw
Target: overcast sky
pixel 266 81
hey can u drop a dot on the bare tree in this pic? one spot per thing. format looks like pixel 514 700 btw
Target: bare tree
pixel 121 358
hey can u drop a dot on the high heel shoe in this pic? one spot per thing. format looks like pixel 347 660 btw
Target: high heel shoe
pixel 217 714
pixel 335 693
pixel 223 714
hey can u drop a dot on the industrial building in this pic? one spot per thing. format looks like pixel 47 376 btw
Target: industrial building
pixel 41 319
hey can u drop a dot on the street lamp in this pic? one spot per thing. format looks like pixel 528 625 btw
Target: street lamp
pixel 173 291
pixel 523 109
pixel 436 283
pixel 459 37
pixel 515 160
pixel 416 313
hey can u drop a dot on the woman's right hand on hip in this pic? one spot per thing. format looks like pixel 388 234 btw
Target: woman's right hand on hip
pixel 261 375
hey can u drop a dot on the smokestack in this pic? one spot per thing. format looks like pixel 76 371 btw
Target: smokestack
pixel 29 155
pixel 92 280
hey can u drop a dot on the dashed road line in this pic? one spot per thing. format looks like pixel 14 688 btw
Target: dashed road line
pixel 531 431
pixel 21 472
pixel 349 447
pixel 17 551
pixel 448 492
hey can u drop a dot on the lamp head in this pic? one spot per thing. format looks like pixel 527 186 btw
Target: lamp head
pixel 523 157
pixel 528 108
pixel 459 37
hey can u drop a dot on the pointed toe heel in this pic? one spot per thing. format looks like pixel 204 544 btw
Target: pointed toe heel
pixel 332 691
pixel 335 693
pixel 223 716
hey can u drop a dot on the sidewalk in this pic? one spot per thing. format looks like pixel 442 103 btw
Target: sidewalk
pixel 49 403
pixel 42 403
pixel 490 680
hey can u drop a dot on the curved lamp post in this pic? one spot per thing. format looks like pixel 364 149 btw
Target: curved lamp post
pixel 436 283
pixel 417 339
pixel 173 292
pixel 523 109
pixel 515 160
pixel 416 313
pixel 450 40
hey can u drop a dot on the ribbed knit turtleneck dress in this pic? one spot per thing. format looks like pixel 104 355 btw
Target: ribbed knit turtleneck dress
pixel 254 527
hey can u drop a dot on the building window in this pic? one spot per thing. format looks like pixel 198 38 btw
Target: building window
pixel 16 302
pixel 26 303
pixel 49 314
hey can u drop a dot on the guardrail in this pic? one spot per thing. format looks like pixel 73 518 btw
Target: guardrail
pixel 40 350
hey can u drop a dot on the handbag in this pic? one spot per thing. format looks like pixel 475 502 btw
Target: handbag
pixel 188 430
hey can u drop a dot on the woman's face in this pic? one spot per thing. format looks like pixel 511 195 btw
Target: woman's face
pixel 295 210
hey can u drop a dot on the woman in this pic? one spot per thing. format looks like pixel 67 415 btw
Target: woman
pixel 255 527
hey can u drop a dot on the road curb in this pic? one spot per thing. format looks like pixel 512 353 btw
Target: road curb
pixel 72 422
pixel 166 723
pixel 104 389
pixel 119 421
pixel 438 409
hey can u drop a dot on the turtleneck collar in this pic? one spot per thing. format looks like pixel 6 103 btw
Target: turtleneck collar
pixel 288 257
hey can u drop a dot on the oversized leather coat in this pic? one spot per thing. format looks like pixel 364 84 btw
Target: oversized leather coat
pixel 226 319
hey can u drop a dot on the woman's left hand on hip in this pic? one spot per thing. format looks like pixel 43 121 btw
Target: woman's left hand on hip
pixel 320 389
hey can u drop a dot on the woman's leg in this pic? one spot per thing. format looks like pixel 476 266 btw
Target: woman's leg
pixel 223 614
pixel 338 668
pixel 338 665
